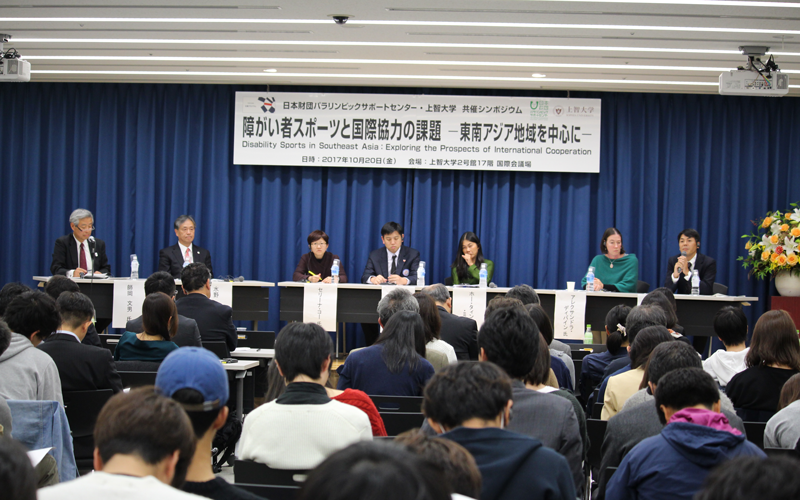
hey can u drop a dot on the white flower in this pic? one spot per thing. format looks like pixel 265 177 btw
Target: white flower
pixel 768 246
pixel 796 215
pixel 775 228
pixel 752 251
pixel 789 245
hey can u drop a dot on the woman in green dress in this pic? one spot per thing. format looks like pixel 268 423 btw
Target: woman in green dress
pixel 467 265
pixel 614 270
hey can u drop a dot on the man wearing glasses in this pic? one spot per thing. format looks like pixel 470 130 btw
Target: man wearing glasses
pixel 173 259
pixel 80 253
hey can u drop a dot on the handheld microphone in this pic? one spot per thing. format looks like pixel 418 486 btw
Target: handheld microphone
pixel 683 254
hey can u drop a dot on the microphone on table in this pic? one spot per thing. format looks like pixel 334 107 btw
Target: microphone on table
pixel 680 270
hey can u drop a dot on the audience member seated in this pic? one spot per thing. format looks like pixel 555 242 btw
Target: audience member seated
pixel 9 292
pixel 143 446
pixel 395 364
pixel 470 403
pixel 160 321
pixel 188 333
pixel 773 358
pixel 697 437
pixel 460 470
pixel 622 386
pixel 81 367
pixel 657 298
pixel 213 319
pixel 433 328
pixel 303 426
pixel 730 325
pixel 632 425
pixel 366 471
pixel 537 380
pixel 59 284
pixel 195 378
pixel 27 373
pixel 745 478
pixel 510 339
pixel 616 344
pixel 783 429
pixel 458 331
pixel 16 472
pixel 542 320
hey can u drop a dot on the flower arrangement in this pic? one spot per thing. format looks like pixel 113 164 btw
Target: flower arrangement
pixel 774 245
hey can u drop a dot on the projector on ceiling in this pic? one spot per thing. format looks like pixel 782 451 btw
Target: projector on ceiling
pixel 15 70
pixel 749 82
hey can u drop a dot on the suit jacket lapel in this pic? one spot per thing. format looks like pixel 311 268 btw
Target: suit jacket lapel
pixel 72 248
pixel 178 256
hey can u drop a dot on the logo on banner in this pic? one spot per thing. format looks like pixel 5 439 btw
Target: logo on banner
pixel 558 110
pixel 266 104
pixel 539 109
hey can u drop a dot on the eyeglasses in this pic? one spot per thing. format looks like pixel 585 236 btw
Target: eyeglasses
pixel 318 244
pixel 85 228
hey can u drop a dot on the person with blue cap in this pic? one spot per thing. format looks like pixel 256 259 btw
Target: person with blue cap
pixel 195 378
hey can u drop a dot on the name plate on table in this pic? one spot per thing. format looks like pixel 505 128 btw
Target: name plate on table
pixel 570 314
pixel 222 292
pixel 128 299
pixel 470 303
pixel 319 305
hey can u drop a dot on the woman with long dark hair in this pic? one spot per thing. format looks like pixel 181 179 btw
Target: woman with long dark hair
pixel 595 364
pixel 466 267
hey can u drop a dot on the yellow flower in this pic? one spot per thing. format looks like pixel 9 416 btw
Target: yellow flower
pixel 773 258
pixel 774 239
pixel 781 260
pixel 766 222
pixel 765 255
pixel 784 228
pixel 791 259
pixel 788 215
pixel 795 231
pixel 749 244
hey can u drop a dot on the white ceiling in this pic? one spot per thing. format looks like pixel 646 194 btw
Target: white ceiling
pixel 649 46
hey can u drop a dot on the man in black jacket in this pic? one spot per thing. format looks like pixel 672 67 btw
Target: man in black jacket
pixel 79 253
pixel 681 266
pixel 59 284
pixel 173 259
pixel 458 331
pixel 213 319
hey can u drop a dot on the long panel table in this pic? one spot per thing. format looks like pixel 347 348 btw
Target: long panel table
pixel 357 303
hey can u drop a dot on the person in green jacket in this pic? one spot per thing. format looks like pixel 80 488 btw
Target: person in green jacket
pixel 469 257
pixel 614 270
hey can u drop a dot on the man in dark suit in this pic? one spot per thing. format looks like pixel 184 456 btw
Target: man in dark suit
pixel 57 285
pixel 458 331
pixel 213 319
pixel 80 367
pixel 173 259
pixel 188 333
pixel 80 253
pixel 679 279
pixel 394 264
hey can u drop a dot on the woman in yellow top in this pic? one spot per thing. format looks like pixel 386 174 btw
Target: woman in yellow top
pixel 467 265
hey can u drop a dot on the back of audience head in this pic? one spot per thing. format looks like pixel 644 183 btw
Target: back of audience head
pixel 76 309
pixel 509 338
pixel 465 391
pixel 669 356
pixel 148 426
pixel 661 300
pixel 160 281
pixel 16 472
pixel 670 296
pixel 458 465
pixel 641 317
pixel 746 478
pixel 730 325
pixel 525 293
pixel 790 391
pixel 368 470
pixel 403 340
pixel 685 388
pixel 645 342
pixel 430 316
pixel 616 319
pixel 438 292
pixel 501 303
pixel 59 284
pixel 542 320
pixel 397 300
pixel 34 315
pixel 159 315
pixel 9 292
pixel 774 341
pixel 303 349
pixel 195 276
pixel 5 337
pixel 541 366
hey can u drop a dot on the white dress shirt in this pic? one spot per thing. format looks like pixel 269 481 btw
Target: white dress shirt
pixel 183 253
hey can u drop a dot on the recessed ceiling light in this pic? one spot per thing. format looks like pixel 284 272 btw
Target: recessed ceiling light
pixel 270 70
pixel 538 75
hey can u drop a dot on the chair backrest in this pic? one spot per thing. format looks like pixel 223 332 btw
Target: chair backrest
pixel 271 491
pixel 256 339
pixel 596 429
pixel 82 408
pixel 578 363
pixel 642 286
pixel 782 452
pixel 138 366
pixel 719 288
pixel 137 379
pixel 250 472
pixel 755 432
pixel 218 348
pixel 597 410
pixel 397 423
pixel 402 404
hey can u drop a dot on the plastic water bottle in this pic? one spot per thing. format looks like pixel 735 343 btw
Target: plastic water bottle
pixel 335 271
pixel 588 336
pixel 484 275
pixel 695 282
pixel 421 274
pixel 590 279
pixel 134 267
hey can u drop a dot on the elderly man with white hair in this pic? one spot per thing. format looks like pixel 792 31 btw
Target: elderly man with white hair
pixel 80 252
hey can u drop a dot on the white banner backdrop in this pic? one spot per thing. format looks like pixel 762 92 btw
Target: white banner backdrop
pixel 533 134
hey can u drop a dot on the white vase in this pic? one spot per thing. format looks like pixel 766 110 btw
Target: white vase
pixel 788 285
